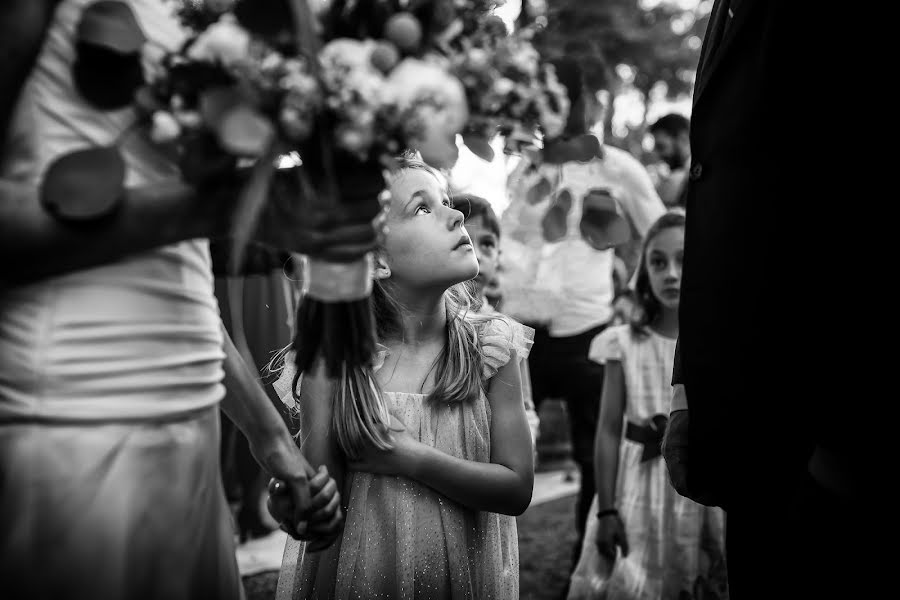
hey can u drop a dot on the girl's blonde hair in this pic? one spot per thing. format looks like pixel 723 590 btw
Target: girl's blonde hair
pixel 360 417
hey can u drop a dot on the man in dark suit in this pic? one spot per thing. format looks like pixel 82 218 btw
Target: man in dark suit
pixel 757 370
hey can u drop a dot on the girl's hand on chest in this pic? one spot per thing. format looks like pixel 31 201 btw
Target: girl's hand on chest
pixel 401 460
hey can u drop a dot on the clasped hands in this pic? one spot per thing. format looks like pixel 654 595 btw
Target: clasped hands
pixel 308 507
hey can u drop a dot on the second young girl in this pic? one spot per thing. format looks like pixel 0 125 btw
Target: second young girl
pixel 643 540
pixel 432 516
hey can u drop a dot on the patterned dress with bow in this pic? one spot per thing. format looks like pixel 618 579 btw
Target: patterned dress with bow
pixel 676 545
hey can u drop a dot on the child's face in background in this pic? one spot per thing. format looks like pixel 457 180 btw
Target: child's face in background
pixel 664 256
pixel 487 251
pixel 426 245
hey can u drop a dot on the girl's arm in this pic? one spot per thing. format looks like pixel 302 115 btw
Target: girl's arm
pixel 317 439
pixel 609 435
pixel 502 486
pixel 274 448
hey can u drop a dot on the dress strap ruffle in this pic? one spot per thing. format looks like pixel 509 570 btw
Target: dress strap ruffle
pixel 500 336
pixel 607 345
pixel 284 384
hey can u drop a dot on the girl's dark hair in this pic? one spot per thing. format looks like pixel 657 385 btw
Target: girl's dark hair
pixel 648 305
pixel 475 206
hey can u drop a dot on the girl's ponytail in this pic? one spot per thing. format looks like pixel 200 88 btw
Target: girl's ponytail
pixel 360 418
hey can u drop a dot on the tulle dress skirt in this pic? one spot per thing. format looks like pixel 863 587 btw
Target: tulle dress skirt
pixel 403 540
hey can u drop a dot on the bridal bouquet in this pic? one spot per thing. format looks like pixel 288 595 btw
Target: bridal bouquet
pixel 302 105
pixel 319 104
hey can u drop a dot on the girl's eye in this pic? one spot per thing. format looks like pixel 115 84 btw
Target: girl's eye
pixel 423 207
pixel 448 202
pixel 657 263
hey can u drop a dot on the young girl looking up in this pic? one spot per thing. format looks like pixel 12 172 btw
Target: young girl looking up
pixel 668 546
pixel 432 516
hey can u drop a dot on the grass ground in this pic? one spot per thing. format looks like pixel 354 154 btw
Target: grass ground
pixel 546 539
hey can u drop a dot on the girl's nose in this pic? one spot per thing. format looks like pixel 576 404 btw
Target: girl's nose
pixel 674 272
pixel 456 219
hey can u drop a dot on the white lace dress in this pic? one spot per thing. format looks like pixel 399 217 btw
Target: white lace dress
pixel 404 541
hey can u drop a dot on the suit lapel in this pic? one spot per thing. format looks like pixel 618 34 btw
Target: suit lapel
pixel 724 25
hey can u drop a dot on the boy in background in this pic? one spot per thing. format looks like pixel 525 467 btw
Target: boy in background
pixel 483 227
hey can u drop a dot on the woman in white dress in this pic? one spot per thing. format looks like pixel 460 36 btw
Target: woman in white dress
pixel 113 353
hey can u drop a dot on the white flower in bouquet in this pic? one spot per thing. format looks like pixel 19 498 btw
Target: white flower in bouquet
pixel 344 54
pixel 365 85
pixel 503 86
pixel 225 42
pixel 435 102
pixel 300 83
pixel 525 59
pixel 355 138
pixel 478 59
pixel 165 127
pixel 188 119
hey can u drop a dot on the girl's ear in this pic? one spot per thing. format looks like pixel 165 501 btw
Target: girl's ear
pixel 382 270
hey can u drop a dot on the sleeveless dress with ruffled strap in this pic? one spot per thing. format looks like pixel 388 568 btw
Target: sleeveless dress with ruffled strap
pixel 404 541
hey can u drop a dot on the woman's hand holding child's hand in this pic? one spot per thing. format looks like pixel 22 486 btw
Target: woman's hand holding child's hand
pixel 325 517
pixel 400 460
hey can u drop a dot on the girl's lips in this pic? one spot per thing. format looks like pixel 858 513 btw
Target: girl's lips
pixel 463 241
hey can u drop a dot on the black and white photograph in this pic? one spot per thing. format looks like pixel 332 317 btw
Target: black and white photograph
pixel 442 300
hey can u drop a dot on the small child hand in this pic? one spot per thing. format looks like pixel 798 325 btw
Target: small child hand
pixel 327 518
pixel 399 460
pixel 610 534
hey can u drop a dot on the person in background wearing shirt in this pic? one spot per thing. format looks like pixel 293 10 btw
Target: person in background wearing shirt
pixel 114 357
pixel 672 144
pixel 575 277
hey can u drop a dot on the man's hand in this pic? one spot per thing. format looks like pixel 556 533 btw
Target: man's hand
pixel 675 449
pixel 676 452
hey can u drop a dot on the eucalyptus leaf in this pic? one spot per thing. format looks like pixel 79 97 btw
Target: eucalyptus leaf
pixel 111 25
pixel 603 223
pixel 105 78
pixel 243 131
pixel 480 146
pixel 84 185
pixel 216 102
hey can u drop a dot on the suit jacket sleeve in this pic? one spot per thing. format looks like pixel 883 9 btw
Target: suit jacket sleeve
pixel 677 376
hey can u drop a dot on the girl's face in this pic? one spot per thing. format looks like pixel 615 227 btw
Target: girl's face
pixel 664 255
pixel 426 245
pixel 487 251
